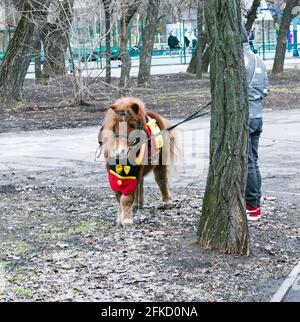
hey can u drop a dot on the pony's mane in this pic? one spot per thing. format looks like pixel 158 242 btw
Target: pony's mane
pixel 128 105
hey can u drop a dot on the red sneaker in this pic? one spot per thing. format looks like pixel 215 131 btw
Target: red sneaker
pixel 253 213
pixel 259 210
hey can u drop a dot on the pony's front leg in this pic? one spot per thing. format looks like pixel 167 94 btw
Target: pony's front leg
pixel 126 203
pixel 118 197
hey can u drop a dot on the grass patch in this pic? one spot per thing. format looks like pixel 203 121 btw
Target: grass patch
pixel 22 292
pixel 83 227
pixel 205 295
pixel 16 278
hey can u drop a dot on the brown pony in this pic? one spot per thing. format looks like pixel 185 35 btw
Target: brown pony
pixel 132 113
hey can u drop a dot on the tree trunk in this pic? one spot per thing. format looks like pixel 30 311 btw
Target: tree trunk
pixel 192 67
pixel 80 92
pixel 55 46
pixel 38 57
pixel 125 57
pixel 20 50
pixel 205 60
pixel 199 40
pixel 115 33
pixel 55 40
pixel 252 15
pixel 107 13
pixel 223 223
pixel 128 13
pixel 278 66
pixel 148 42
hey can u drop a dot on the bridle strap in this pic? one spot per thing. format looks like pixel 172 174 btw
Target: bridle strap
pixel 120 113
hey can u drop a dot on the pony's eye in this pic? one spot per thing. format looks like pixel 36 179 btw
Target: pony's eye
pixel 132 126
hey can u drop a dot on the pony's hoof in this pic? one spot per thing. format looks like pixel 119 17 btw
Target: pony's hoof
pixel 119 222
pixel 167 205
pixel 127 221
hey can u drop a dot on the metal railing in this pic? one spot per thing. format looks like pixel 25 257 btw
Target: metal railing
pixel 267 50
pixel 97 60
pixel 160 57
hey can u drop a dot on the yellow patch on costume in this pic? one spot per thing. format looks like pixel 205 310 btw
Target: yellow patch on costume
pixel 119 168
pixel 140 157
pixel 127 168
pixel 156 133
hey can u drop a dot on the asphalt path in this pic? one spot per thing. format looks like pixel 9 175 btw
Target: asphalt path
pixel 52 150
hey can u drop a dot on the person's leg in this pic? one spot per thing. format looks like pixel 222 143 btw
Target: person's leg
pixel 252 188
pixel 258 124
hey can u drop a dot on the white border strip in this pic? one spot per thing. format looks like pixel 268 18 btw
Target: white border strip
pixel 286 285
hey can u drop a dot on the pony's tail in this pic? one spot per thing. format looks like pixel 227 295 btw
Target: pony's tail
pixel 175 153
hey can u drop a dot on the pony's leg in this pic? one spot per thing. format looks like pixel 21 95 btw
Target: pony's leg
pixel 118 197
pixel 139 196
pixel 161 178
pixel 126 203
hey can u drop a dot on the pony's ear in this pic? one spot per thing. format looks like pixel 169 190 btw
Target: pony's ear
pixel 114 107
pixel 135 107
pixel 100 135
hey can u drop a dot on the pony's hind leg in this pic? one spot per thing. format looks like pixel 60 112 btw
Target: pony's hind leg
pixel 161 178
pixel 139 196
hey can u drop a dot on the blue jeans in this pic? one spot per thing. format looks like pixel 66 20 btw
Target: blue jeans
pixel 253 188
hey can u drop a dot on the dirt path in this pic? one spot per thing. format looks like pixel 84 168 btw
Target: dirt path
pixel 25 152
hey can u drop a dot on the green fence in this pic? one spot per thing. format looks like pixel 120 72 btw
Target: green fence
pixel 267 50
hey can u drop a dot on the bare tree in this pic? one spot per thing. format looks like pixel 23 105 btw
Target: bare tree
pixel 21 48
pixel 148 42
pixel 199 40
pixel 205 60
pixel 196 63
pixel 223 223
pixel 192 67
pixel 55 38
pixel 129 8
pixel 278 65
pixel 38 58
pixel 252 15
pixel 108 11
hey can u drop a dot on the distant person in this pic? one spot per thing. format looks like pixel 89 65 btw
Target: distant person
pixel 252 36
pixel 291 38
pixel 291 41
pixel 186 39
pixel 173 42
pixel 251 40
pixel 194 38
pixel 258 89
